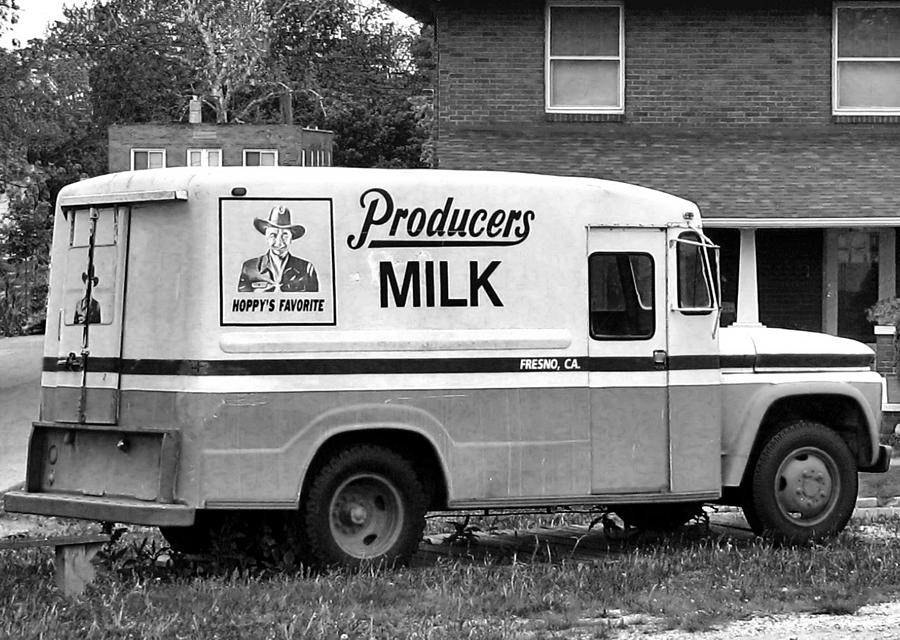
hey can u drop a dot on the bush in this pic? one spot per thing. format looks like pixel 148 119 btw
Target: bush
pixel 23 297
pixel 885 312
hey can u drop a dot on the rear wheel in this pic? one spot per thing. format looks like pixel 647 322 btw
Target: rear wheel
pixel 803 487
pixel 365 504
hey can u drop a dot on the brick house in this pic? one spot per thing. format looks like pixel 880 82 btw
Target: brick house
pixel 781 120
pixel 142 146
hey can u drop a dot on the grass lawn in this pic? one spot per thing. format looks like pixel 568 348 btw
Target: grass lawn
pixel 883 486
pixel 689 581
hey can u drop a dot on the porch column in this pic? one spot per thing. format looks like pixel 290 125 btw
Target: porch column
pixel 748 292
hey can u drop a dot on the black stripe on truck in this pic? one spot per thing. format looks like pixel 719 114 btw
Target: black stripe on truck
pixel 351 366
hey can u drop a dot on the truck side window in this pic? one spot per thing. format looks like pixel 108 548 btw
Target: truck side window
pixel 621 296
pixel 697 270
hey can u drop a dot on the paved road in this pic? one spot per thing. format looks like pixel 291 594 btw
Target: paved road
pixel 20 385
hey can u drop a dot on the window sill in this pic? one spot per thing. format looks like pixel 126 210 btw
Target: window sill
pixel 866 119
pixel 585 117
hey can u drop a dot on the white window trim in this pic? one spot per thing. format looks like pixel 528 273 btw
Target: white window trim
pixel 855 111
pixel 246 151
pixel 148 150
pixel 620 58
pixel 204 161
pixel 315 157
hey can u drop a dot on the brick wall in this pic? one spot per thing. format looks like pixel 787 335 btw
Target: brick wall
pixel 289 140
pixel 490 62
pixel 728 105
pixel 728 63
pixel 689 64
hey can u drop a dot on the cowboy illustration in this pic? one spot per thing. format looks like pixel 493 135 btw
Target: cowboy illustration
pixel 277 269
pixel 87 311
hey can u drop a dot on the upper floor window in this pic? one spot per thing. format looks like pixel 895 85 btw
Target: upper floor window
pixel 204 157
pixel 148 158
pixel 585 51
pixel 315 158
pixel 866 58
pixel 260 157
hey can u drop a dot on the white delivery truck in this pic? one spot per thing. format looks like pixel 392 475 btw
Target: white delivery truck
pixel 360 347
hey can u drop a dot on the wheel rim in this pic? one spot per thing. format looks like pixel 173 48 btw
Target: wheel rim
pixel 366 516
pixel 807 487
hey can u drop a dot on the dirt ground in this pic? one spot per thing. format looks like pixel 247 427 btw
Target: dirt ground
pixel 871 622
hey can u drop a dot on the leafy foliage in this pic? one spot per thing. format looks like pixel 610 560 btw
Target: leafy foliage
pixel 8 14
pixel 884 312
pixel 333 64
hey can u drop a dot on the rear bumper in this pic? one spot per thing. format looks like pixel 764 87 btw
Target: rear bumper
pixel 102 509
pixel 883 462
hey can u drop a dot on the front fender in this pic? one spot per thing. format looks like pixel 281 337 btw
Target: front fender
pixel 740 441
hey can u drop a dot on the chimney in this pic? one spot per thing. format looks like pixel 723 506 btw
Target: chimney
pixel 194 114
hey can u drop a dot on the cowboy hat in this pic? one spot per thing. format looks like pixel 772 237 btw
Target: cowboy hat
pixel 280 218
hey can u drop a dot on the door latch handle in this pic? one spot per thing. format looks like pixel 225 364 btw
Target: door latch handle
pixel 660 358
pixel 71 362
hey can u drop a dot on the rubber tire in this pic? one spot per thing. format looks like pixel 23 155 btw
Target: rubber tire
pixel 376 464
pixel 763 509
pixel 750 514
pixel 658 517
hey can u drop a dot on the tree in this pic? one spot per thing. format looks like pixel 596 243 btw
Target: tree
pixel 8 14
pixel 329 63
pixel 382 108
pixel 231 52
pixel 138 57
pixel 43 110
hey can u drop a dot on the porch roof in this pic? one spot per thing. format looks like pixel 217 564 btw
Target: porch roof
pixel 838 175
pixel 818 178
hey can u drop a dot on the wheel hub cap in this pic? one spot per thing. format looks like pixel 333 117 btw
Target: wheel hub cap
pixel 805 484
pixel 366 516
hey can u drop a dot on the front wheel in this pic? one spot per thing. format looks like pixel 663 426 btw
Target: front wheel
pixel 365 504
pixel 803 487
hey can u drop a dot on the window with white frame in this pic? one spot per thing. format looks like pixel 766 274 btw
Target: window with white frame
pixel 148 159
pixel 204 157
pixel 315 158
pixel 260 157
pixel 585 56
pixel 866 58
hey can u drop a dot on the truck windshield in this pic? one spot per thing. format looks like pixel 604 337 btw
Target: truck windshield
pixel 698 272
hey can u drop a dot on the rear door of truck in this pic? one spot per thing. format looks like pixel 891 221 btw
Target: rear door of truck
pixel 90 324
pixel 92 306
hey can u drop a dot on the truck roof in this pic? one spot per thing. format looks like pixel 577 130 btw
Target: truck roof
pixel 637 206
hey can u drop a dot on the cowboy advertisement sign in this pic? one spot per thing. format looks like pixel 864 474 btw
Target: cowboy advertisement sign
pixel 277 261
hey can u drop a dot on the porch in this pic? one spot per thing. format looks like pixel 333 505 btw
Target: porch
pixel 848 264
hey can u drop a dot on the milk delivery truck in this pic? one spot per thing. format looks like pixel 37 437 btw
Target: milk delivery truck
pixel 359 347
